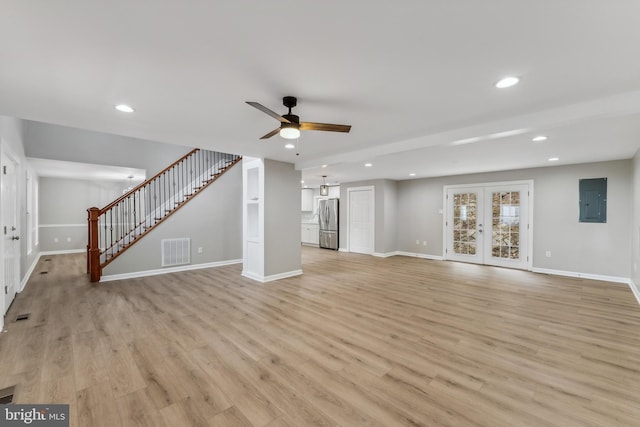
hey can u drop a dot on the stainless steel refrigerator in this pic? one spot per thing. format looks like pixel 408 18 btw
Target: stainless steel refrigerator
pixel 328 218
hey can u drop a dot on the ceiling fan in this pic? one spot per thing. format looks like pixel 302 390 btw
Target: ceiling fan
pixel 290 125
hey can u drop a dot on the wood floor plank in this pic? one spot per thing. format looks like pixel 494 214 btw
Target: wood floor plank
pixel 96 406
pixel 356 340
pixel 137 410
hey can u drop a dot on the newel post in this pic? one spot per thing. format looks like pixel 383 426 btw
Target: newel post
pixel 93 250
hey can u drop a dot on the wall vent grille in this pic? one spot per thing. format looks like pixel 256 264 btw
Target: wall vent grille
pixel 176 251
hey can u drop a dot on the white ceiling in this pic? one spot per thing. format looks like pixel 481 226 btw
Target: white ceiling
pixel 410 76
pixel 74 170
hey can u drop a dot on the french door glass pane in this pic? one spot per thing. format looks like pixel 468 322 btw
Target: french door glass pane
pixel 465 210
pixel 505 225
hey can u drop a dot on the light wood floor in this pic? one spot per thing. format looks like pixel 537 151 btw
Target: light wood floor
pixel 356 340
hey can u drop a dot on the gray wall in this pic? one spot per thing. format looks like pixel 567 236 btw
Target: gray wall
pixel 601 249
pixel 635 226
pixel 386 199
pixel 63 207
pixel 55 142
pixel 213 221
pixel 282 253
pixel 12 135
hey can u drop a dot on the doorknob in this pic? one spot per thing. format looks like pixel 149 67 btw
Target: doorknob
pixel 15 238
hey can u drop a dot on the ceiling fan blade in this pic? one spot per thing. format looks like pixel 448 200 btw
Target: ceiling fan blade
pixel 324 126
pixel 268 111
pixel 270 134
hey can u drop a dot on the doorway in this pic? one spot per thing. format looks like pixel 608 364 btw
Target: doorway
pixel 9 228
pixel 361 220
pixel 489 224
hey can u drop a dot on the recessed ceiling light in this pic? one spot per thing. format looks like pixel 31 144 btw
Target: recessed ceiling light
pixel 507 82
pixel 368 165
pixel 324 166
pixel 412 174
pixel 124 108
pixel 290 146
pixel 554 159
pixel 302 181
pixel 539 138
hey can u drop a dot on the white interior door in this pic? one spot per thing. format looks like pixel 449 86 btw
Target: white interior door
pixel 361 213
pixel 489 225
pixel 10 235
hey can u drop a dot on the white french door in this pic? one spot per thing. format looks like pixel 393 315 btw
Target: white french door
pixel 9 229
pixel 489 224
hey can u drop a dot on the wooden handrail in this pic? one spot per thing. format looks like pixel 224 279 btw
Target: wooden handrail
pixel 93 250
pixel 139 186
pixel 172 211
pixel 120 224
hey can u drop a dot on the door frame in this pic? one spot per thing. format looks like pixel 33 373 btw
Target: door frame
pixel 445 216
pixel 371 188
pixel 5 151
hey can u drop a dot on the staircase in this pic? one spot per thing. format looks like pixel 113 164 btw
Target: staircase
pixel 119 225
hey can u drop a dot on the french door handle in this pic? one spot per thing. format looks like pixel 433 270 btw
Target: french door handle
pixel 15 238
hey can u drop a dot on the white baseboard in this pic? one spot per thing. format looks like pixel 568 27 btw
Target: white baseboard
pixel 635 290
pixel 384 254
pixel 265 279
pixel 576 274
pixel 342 250
pixel 112 277
pixel 27 276
pixel 419 255
pixel 63 252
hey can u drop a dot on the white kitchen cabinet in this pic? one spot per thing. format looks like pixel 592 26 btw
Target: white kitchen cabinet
pixel 334 192
pixel 307 200
pixel 309 234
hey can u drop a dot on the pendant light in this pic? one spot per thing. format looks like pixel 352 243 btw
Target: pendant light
pixel 324 188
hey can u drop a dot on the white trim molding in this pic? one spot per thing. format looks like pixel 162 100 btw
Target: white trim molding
pixel 635 290
pixel 385 254
pixel 136 274
pixel 271 278
pixel 61 225
pixel 27 276
pixel 418 255
pixel 63 252
pixel 615 279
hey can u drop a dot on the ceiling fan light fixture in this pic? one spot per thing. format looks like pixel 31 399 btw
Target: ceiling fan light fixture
pixel 289 132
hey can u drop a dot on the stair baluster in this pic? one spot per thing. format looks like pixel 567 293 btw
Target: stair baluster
pixel 123 222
